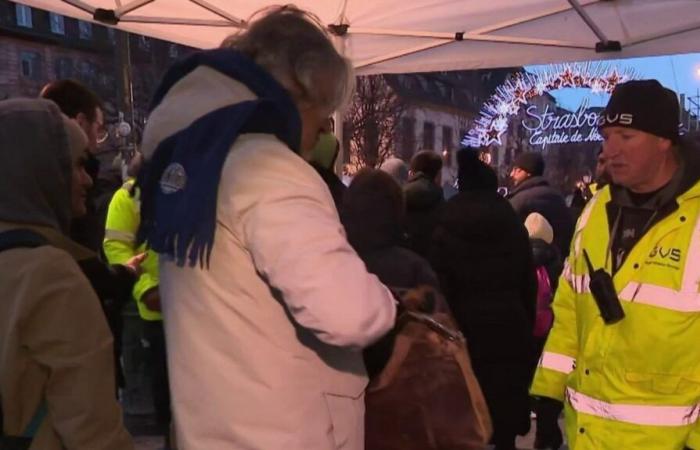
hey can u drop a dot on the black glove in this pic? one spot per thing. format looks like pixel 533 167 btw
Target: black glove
pixel 548 434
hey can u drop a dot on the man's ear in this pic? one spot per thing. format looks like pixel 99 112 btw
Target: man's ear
pixel 665 144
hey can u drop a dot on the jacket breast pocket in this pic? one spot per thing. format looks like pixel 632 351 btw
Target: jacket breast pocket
pixel 664 384
pixel 347 414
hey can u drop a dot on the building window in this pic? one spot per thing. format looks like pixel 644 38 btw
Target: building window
pixel 64 68
pixel 24 16
pixel 428 136
pixel 408 136
pixel 57 23
pixel 88 71
pixel 30 64
pixel 85 30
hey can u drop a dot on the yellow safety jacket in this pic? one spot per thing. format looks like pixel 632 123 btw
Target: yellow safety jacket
pixel 123 219
pixel 634 384
pixel 593 187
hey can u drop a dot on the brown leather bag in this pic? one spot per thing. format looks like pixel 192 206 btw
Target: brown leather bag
pixel 426 397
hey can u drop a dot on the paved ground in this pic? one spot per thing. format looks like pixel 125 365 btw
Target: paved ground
pixel 155 443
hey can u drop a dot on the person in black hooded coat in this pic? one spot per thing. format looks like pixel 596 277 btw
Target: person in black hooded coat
pixel 481 254
pixel 372 214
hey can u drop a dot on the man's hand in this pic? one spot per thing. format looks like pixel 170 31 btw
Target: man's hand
pixel 134 264
pixel 151 298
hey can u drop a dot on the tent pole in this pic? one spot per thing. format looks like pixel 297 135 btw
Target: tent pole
pixel 662 34
pixel 587 19
pixel 339 116
pixel 133 6
pixel 529 18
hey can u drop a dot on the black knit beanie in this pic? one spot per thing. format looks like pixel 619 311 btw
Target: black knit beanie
pixel 644 105
pixel 530 162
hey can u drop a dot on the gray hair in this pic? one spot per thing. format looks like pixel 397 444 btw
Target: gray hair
pixel 294 47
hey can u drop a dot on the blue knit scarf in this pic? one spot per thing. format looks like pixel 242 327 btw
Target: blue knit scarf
pixel 179 184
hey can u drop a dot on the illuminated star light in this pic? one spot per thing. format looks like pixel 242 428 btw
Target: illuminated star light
pixel 514 109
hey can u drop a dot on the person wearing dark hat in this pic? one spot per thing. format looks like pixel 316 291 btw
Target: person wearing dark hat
pixel 423 198
pixel 622 354
pixel 533 194
pixel 481 253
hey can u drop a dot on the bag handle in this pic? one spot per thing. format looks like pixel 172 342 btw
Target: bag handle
pixel 442 330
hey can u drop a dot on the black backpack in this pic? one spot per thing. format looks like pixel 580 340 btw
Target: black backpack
pixel 21 238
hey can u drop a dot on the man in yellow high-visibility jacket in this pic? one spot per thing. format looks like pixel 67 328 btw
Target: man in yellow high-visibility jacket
pixel 123 219
pixel 630 382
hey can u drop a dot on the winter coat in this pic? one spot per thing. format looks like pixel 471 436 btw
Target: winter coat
pixel 373 224
pixel 481 254
pixel 55 344
pixel 634 383
pixel 264 345
pixel 423 197
pixel 536 195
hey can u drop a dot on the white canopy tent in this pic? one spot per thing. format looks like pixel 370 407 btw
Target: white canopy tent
pixel 399 36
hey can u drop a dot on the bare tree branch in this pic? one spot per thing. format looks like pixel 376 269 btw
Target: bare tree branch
pixel 372 119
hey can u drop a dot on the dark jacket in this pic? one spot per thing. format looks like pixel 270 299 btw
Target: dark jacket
pixel 423 197
pixel 536 195
pixel 89 230
pixel 335 185
pixel 373 222
pixel 482 256
pixel 113 286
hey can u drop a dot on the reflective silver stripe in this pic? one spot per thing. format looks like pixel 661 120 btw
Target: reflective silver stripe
pixel 578 283
pixel 662 297
pixel 557 361
pixel 582 221
pixel 691 274
pixel 660 416
pixel 117 235
pixel 687 299
pixel 586 214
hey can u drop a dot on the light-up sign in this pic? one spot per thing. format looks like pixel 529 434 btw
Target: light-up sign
pixel 550 126
pixel 518 92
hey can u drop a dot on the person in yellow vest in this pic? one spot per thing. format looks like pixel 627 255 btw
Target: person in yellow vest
pixel 623 354
pixel 123 219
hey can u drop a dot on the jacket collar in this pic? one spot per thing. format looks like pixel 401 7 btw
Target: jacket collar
pixel 683 185
pixel 529 183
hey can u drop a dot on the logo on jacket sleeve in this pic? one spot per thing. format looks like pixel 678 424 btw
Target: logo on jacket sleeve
pixel 174 179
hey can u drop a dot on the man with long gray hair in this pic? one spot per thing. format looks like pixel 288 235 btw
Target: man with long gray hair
pixel 266 306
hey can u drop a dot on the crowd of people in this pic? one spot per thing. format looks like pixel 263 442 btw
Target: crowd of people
pixel 272 294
